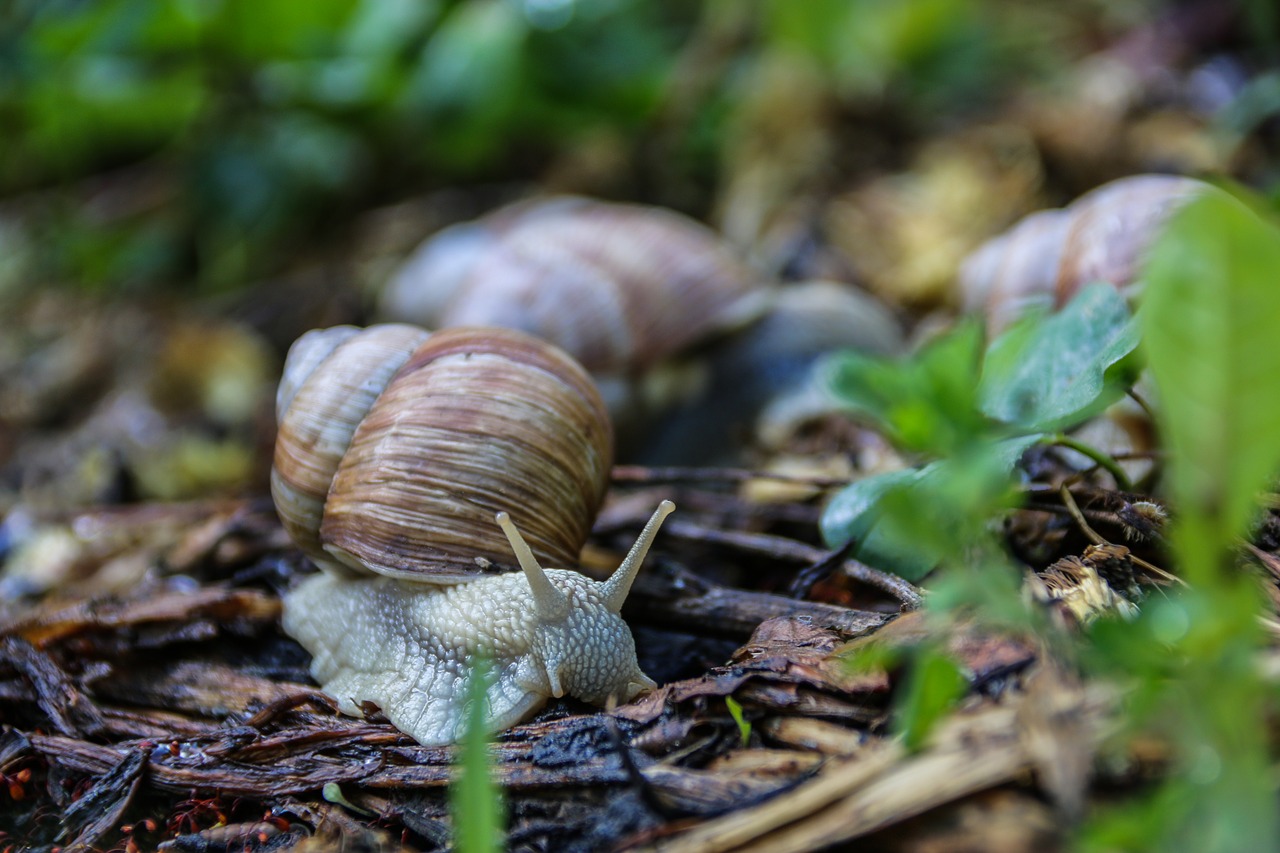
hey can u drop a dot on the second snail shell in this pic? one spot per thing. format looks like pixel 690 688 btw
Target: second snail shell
pixel 1047 256
pixel 620 287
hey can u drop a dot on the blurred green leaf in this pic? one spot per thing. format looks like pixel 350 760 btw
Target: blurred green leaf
pixel 855 513
pixel 909 521
pixel 926 402
pixel 1046 373
pixel 933 686
pixel 475 799
pixel 1209 326
pixel 1191 659
pixel 927 49
pixel 470 80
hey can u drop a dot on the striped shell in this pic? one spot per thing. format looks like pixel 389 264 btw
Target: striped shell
pixel 396 448
pixel 1045 258
pixel 619 287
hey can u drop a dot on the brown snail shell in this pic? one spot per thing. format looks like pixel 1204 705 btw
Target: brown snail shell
pixel 1047 256
pixel 619 287
pixel 397 447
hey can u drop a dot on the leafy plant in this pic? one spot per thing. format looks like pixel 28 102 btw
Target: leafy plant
pixel 980 413
pixel 1189 661
pixel 1208 329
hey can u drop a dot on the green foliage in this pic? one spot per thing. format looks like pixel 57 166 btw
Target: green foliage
pixel 931 49
pixel 1047 373
pixel 930 684
pixel 1208 331
pixel 744 725
pixel 933 686
pixel 911 520
pixel 475 799
pixel 255 117
pixel 980 414
pixel 248 126
pixel 927 403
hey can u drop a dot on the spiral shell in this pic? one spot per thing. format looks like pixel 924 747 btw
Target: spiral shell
pixel 619 287
pixel 397 447
pixel 1045 258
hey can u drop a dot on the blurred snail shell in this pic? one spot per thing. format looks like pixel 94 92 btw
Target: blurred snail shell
pixel 620 287
pixel 398 458
pixel 1045 258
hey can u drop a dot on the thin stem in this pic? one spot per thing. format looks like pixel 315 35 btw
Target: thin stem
pixel 1142 404
pixel 1104 460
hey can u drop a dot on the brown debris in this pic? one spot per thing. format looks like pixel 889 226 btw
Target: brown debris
pixel 852 797
pixel 100 808
pixel 67 708
pixel 194 685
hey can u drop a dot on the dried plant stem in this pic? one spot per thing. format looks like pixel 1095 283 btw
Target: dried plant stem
pixel 1069 502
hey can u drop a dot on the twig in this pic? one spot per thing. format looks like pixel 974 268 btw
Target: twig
pixel 811 574
pixel 678 474
pixel 1072 507
pixel 782 548
pixel 277 707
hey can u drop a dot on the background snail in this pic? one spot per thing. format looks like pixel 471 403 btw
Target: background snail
pixel 1045 258
pixel 633 292
pixel 620 287
pixel 399 454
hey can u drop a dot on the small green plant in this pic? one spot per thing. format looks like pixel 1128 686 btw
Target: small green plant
pixel 979 414
pixel 744 725
pixel 1188 663
pixel 475 799
pixel 1191 660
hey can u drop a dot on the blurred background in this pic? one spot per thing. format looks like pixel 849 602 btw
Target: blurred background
pixel 188 185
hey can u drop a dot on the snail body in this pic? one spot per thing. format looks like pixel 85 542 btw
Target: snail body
pixel 398 457
pixel 1046 257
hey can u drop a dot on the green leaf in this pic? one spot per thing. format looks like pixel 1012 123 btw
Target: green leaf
pixel 474 797
pixel 908 521
pixel 934 684
pixel 853 515
pixel 1051 372
pixel 1209 324
pixel 924 403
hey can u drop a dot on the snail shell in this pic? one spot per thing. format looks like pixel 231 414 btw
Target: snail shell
pixel 619 287
pixel 1045 258
pixel 395 449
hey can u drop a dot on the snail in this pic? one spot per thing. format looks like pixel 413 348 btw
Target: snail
pixel 404 463
pixel 622 288
pixel 1047 256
